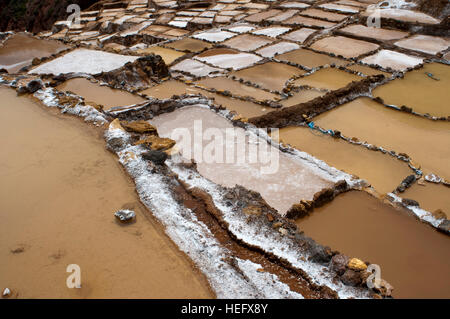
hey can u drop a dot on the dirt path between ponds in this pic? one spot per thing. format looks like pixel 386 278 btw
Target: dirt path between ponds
pixel 59 189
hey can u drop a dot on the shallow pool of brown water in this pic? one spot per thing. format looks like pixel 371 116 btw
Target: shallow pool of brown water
pixel 104 95
pixel 413 256
pixel 310 59
pixel 426 142
pixel 168 55
pixel 382 171
pixel 430 196
pixel 285 182
pixel 58 192
pixel 419 91
pixel 20 49
pixel 189 45
pixel 301 97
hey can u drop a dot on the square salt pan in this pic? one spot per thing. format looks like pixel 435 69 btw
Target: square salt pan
pixel 214 35
pixel 346 47
pixel 272 31
pixel 228 58
pixel 394 60
pixel 424 43
pixel 278 48
pixel 247 42
pixel 299 35
pixel 195 68
pixel 84 61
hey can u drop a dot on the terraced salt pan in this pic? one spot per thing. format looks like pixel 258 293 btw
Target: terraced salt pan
pixel 373 32
pixel 426 142
pixel 103 95
pixel 226 58
pixel 247 42
pixel 235 87
pixel 272 31
pixel 189 45
pixel 338 7
pixel 172 87
pixel 394 60
pixel 310 59
pixel 367 71
pixel 308 22
pixel 430 196
pixel 278 48
pixel 241 28
pixel 424 43
pixel 196 68
pixel 283 16
pixel 328 78
pixel 258 17
pixel 279 74
pixel 296 5
pixel 346 47
pixel 404 15
pixel 299 35
pixel 84 61
pixel 20 49
pixel 301 97
pixel 382 171
pixel 358 224
pixel 289 183
pixel 214 35
pixel 316 13
pixel 419 91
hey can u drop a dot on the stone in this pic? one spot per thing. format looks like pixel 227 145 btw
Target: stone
pixel 157 143
pixel 444 227
pixel 320 254
pixel 156 157
pixel 141 127
pixel 433 178
pixel 351 278
pixel 34 85
pixel 439 214
pixel 410 202
pixel 357 264
pixel 385 288
pixel 6 293
pixel 339 263
pixel 125 215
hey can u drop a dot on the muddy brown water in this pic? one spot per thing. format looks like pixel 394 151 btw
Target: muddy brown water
pixel 20 49
pixel 168 55
pixel 172 87
pixel 288 182
pixel 302 96
pixel 104 95
pixel 328 78
pixel 417 90
pixel 413 256
pixel 382 171
pixel 426 142
pixel 189 45
pixel 59 189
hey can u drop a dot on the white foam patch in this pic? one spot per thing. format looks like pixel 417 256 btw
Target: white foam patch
pixel 235 61
pixel 395 60
pixel 84 61
pixel 214 35
pixel 192 236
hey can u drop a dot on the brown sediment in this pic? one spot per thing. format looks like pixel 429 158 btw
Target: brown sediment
pixel 20 49
pixel 426 142
pixel 413 257
pixel 279 72
pixel 189 45
pixel 431 197
pixel 384 172
pixel 419 91
pixel 172 87
pixel 59 190
pixel 310 59
pixel 217 51
pixel 103 95
pixel 294 114
pixel 287 184
pixel 327 78
pixel 168 55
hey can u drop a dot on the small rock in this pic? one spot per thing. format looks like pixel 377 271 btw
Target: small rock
pixel 351 278
pixel 444 226
pixel 433 178
pixel 357 264
pixel 6 293
pixel 156 157
pixel 439 214
pixel 138 127
pixel 125 215
pixel 283 231
pixel 410 202
pixel 156 143
pixel 339 263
